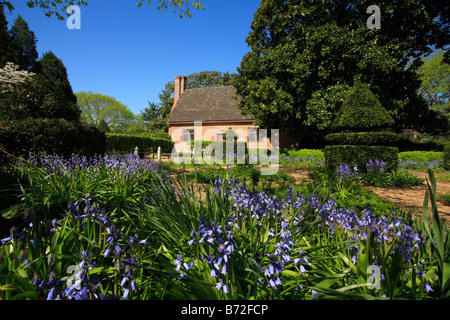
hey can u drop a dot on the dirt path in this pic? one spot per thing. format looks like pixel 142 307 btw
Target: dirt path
pixel 408 198
pixel 411 198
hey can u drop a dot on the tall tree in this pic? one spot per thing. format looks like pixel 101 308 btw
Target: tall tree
pixel 50 7
pixel 96 107
pixel 435 77
pixel 305 55
pixel 36 98
pixel 5 41
pixel 53 68
pixel 23 45
pixel 154 117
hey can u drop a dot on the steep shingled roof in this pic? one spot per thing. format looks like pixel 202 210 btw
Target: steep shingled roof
pixel 207 104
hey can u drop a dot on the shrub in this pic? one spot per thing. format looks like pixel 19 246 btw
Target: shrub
pixel 127 143
pixel 363 138
pixel 402 178
pixel 360 155
pixel 362 111
pixel 60 136
pixel 38 98
pixel 156 134
pixel 406 144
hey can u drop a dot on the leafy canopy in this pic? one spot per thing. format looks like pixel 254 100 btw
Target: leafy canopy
pixel 97 108
pixel 435 88
pixel 58 7
pixel 305 55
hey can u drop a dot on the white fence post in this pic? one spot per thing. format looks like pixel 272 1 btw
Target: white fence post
pixel 159 155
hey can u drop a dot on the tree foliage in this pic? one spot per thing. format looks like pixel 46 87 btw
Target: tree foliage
pixel 53 68
pixel 37 98
pixel 305 55
pixel 23 45
pixel 96 107
pixel 4 39
pixel 435 88
pixel 58 7
pixel 11 77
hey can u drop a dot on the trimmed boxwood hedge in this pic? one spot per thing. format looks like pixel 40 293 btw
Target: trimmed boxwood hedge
pixel 362 111
pixel 127 143
pixel 60 136
pixel 364 126
pixel 336 155
pixel 383 138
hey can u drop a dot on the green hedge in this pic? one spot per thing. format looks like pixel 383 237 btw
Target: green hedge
pixel 347 154
pixel 63 137
pixel 382 138
pixel 447 156
pixel 362 111
pixel 127 143
pixel 406 144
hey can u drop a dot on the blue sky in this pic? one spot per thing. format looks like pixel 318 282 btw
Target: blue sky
pixel 130 53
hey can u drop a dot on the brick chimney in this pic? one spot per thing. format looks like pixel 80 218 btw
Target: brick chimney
pixel 180 86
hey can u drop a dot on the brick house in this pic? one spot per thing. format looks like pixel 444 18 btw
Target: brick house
pixel 218 111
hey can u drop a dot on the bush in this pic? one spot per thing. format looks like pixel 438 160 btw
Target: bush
pixel 60 136
pixel 360 155
pixel 447 156
pixel 406 144
pixel 37 98
pixel 156 134
pixel 402 178
pixel 127 143
pixel 362 111
pixel 363 138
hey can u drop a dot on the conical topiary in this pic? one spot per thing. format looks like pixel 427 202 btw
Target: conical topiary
pixel 362 111
pixel 362 121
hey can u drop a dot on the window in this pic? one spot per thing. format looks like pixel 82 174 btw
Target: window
pixel 252 135
pixel 188 135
